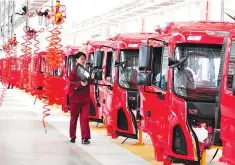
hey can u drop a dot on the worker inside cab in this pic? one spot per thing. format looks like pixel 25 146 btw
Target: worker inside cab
pixel 79 98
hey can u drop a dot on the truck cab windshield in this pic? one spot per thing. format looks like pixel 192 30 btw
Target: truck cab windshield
pixel 197 77
pixel 128 72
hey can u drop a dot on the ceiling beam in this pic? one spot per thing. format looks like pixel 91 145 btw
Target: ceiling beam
pixel 122 12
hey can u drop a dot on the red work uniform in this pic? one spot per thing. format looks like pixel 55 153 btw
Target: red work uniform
pixel 79 104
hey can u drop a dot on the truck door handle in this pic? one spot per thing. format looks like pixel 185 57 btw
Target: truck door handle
pixel 110 87
pixel 160 95
pixel 148 113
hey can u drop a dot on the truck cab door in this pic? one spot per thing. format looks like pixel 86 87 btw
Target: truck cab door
pixel 108 78
pixel 154 117
pixel 226 110
pixel 69 65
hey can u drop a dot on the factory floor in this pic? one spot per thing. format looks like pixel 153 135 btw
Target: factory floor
pixel 23 140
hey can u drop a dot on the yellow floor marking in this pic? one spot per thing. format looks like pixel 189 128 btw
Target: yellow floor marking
pixel 144 151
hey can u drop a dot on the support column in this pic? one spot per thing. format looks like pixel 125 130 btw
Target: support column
pixel 189 10
pixel 215 10
pixel 4 21
pixel 13 18
pixel 26 16
pixel 142 24
pixel 204 10
pixel 121 27
pixel 1 50
pixel 1 18
pixel 9 20
pixel 222 10
pixel 105 32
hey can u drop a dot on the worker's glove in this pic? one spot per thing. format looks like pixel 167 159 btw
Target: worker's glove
pixel 76 89
pixel 84 83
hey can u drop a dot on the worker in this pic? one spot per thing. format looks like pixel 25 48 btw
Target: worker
pixel 79 98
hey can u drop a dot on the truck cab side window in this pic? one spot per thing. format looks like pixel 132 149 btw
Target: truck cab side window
pixel 35 64
pixel 90 61
pixel 109 67
pixel 43 65
pixel 57 72
pixel 62 71
pixel 231 67
pixel 160 66
pixel 71 64
pixel 91 58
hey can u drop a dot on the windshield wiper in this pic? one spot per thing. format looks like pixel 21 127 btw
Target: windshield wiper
pixel 183 88
pixel 176 63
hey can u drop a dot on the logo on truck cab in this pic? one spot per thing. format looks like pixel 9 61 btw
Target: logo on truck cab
pixel 131 98
pixel 193 111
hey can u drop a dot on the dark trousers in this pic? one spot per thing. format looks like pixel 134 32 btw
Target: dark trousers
pixel 83 110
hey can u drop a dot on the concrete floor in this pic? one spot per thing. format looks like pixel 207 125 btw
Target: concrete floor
pixel 24 142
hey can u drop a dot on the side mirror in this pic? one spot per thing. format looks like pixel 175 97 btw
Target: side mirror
pixel 82 73
pixel 172 61
pixel 233 85
pixel 144 79
pixel 98 60
pixel 118 64
pixel 40 88
pixel 123 60
pixel 110 87
pixel 145 57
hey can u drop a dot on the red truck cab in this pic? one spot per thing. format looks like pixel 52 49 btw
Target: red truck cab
pixel 120 106
pixel 25 61
pixel 6 71
pixel 178 81
pixel 17 71
pixel 37 76
pixel 97 92
pixel 14 76
pixel 225 111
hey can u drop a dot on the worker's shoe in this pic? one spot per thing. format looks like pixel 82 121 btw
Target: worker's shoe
pixel 72 140
pixel 86 141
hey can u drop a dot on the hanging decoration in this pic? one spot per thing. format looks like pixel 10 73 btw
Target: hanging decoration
pixel 32 35
pixel 53 17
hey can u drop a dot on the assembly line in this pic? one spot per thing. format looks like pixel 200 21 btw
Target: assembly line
pixel 171 90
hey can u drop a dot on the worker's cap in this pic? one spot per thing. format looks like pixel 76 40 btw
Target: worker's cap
pixel 79 54
pixel 57 0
